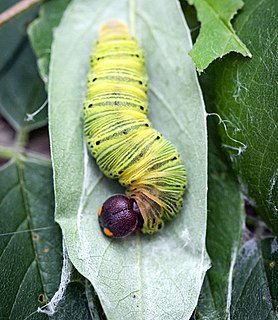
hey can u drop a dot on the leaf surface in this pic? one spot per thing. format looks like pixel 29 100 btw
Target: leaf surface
pixel 217 36
pixel 40 32
pixel 30 246
pixel 255 280
pixel 21 89
pixel 246 98
pixel 30 258
pixel 140 277
pixel 224 230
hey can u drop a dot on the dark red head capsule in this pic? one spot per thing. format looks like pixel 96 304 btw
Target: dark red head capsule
pixel 119 216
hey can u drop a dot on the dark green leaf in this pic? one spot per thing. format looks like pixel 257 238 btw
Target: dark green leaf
pixel 191 19
pixel 30 246
pixel 21 89
pixel 224 229
pixel 13 31
pixel 93 302
pixel 269 249
pixel 41 33
pixel 247 96
pixel 255 279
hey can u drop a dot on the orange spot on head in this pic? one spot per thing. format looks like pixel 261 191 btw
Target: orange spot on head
pixel 99 210
pixel 107 232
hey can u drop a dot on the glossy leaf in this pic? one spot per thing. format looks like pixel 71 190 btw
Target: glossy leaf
pixel 140 276
pixel 217 36
pixel 247 101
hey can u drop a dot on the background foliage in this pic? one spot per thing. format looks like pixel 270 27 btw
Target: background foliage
pixel 242 192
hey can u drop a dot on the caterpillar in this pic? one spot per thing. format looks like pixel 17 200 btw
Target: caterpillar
pixel 122 140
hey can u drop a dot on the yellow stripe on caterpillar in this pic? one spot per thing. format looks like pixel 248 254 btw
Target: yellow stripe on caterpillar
pixel 122 141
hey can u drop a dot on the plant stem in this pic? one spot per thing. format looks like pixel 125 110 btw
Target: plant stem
pixel 16 9
pixel 7 152
pixel 22 138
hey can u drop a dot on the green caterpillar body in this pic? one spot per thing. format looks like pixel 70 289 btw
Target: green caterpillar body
pixel 120 137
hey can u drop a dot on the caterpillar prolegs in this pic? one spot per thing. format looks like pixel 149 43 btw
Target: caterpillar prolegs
pixel 122 140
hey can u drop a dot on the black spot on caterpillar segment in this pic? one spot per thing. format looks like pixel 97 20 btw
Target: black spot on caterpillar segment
pixel 123 141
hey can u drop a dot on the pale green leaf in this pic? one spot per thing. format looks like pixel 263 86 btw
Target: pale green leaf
pixel 217 36
pixel 140 277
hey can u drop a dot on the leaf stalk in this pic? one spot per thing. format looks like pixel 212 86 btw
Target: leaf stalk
pixel 16 9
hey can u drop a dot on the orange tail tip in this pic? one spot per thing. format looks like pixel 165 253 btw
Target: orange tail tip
pixel 113 26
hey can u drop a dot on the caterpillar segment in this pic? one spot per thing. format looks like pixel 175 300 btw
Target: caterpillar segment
pixel 122 140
